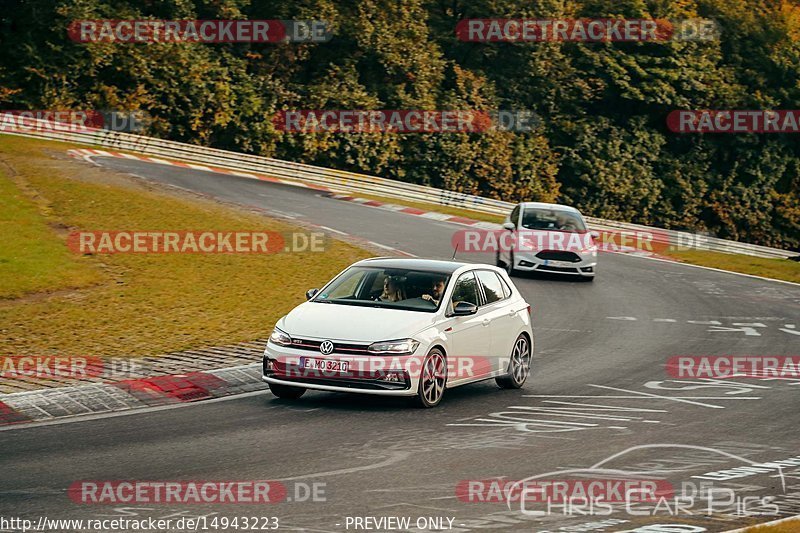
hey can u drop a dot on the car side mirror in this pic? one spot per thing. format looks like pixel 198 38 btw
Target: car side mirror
pixel 310 293
pixel 465 309
pixel 595 234
pixel 509 226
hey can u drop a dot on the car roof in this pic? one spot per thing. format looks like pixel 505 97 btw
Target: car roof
pixel 543 205
pixel 428 265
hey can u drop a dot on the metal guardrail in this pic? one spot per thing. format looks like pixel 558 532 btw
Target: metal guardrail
pixel 349 182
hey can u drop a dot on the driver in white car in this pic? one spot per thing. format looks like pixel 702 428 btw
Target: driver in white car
pixel 564 224
pixel 437 289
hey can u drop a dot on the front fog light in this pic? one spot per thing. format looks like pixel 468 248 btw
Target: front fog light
pixel 397 347
pixel 268 367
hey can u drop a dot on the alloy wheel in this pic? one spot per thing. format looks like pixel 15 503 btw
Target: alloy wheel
pixel 520 360
pixel 518 366
pixel 433 379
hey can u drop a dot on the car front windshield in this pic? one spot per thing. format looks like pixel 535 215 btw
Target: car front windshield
pixel 390 288
pixel 552 219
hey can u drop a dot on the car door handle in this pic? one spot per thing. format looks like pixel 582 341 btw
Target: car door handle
pixel 486 322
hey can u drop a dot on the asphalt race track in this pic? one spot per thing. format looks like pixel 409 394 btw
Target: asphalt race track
pixel 599 388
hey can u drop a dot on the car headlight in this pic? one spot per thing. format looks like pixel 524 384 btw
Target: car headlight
pixel 280 338
pixel 398 347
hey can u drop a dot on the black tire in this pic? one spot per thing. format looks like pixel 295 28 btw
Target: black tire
pixel 428 396
pixel 286 392
pixel 519 366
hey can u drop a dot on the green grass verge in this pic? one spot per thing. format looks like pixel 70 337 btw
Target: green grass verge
pixel 135 304
pixel 783 269
pixel 33 257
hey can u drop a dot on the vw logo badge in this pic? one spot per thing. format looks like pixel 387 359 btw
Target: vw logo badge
pixel 326 347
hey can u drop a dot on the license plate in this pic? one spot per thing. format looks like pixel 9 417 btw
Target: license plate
pixel 551 262
pixel 326 365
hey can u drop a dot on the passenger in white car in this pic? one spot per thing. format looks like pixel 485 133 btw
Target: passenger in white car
pixel 393 290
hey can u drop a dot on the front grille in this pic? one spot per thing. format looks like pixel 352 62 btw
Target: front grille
pixel 557 269
pixel 338 347
pixel 559 255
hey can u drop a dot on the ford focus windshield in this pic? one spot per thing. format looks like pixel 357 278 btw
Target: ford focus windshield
pixel 392 288
pixel 552 219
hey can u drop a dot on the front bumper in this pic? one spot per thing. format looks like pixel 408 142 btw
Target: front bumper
pixel 366 374
pixel 339 386
pixel 585 266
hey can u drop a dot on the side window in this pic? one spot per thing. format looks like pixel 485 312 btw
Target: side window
pixel 466 289
pixel 515 215
pixel 506 288
pixel 492 286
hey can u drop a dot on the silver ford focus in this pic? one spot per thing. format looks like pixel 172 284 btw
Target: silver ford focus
pixel 550 238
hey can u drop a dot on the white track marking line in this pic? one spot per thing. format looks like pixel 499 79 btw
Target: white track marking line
pixel 397 458
pixel 133 411
pixel 158 161
pixel 333 230
pixel 672 398
pixel 243 174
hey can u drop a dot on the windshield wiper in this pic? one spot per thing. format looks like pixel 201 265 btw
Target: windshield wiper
pixel 357 303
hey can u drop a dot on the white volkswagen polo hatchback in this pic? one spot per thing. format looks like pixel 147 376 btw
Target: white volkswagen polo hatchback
pixel 403 327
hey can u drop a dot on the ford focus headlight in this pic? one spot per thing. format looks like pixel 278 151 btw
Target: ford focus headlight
pixel 397 347
pixel 280 338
